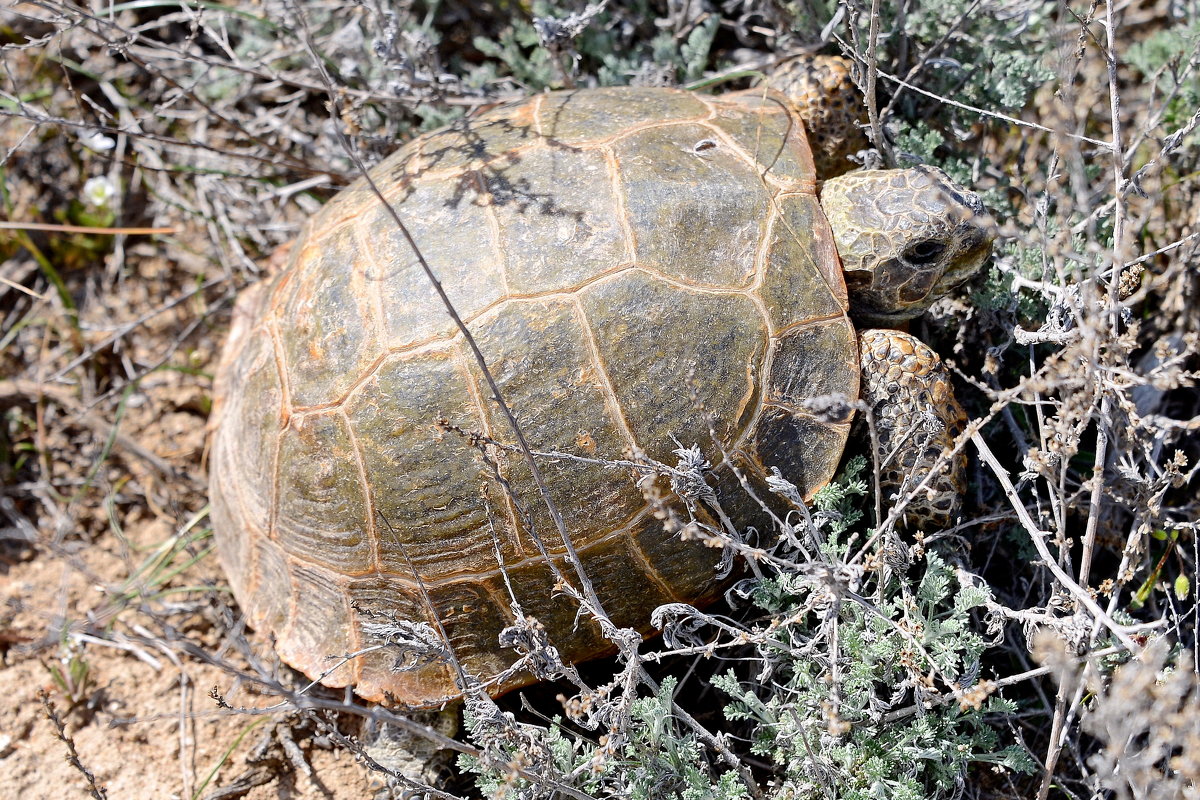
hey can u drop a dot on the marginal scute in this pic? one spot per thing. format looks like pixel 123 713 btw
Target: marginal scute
pixel 801 280
pixel 575 635
pixel 638 586
pixel 243 454
pixel 465 144
pixel 380 601
pixel 814 361
pixel 271 571
pixel 473 620
pixel 687 567
pixel 318 637
pixel 808 467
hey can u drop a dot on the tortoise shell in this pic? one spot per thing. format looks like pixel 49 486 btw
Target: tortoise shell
pixel 641 268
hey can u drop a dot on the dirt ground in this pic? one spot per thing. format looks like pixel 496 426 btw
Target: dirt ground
pixel 147 726
pixel 120 611
pixel 113 603
pixel 126 670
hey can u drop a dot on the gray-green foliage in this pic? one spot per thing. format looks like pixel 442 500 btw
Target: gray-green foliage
pixel 857 708
pixel 841 498
pixel 659 760
pixel 994 291
pixel 612 50
pixel 1169 57
pixel 861 685
pixel 982 54
pixel 1165 54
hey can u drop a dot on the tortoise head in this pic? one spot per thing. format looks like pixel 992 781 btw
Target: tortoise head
pixel 905 237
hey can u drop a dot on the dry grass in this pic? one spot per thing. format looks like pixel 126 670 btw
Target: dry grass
pixel 1077 357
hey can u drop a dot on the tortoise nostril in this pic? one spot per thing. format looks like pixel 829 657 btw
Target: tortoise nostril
pixel 924 253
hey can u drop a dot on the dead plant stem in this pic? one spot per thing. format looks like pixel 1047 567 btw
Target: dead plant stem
pixel 1038 536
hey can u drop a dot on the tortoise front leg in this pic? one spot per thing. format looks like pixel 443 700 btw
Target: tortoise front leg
pixel 908 391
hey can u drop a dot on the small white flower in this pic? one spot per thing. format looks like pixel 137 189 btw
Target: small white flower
pixel 99 191
pixel 95 140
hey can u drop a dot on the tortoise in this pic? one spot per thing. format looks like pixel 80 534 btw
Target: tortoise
pixel 641 269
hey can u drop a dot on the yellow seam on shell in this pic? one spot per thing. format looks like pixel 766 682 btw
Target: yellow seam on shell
pixel 630 236
pixel 372 530
pixel 448 338
pixel 285 416
pixel 610 395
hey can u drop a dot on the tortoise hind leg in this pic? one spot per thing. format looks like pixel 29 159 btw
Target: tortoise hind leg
pixel 908 390
pixel 825 97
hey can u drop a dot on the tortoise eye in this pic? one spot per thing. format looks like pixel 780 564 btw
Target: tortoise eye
pixel 922 254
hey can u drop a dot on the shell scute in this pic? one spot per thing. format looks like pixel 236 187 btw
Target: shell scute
pixel 323 515
pixel 329 311
pixel 559 220
pixel 596 115
pixel 759 123
pixel 433 523
pixel 473 619
pixel 716 340
pixel 574 635
pixel 320 631
pixel 800 279
pixel 451 224
pixel 554 390
pixel 244 459
pixel 684 565
pixel 379 600
pixel 808 467
pixel 814 361
pixel 631 585
pixel 271 572
pixel 466 144
pixel 696 215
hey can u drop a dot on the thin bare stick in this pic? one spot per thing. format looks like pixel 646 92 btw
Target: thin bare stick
pixel 1039 537
pixel 983 112
pixel 54 228
pixel 1114 311
pixel 877 137
pixel 60 730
